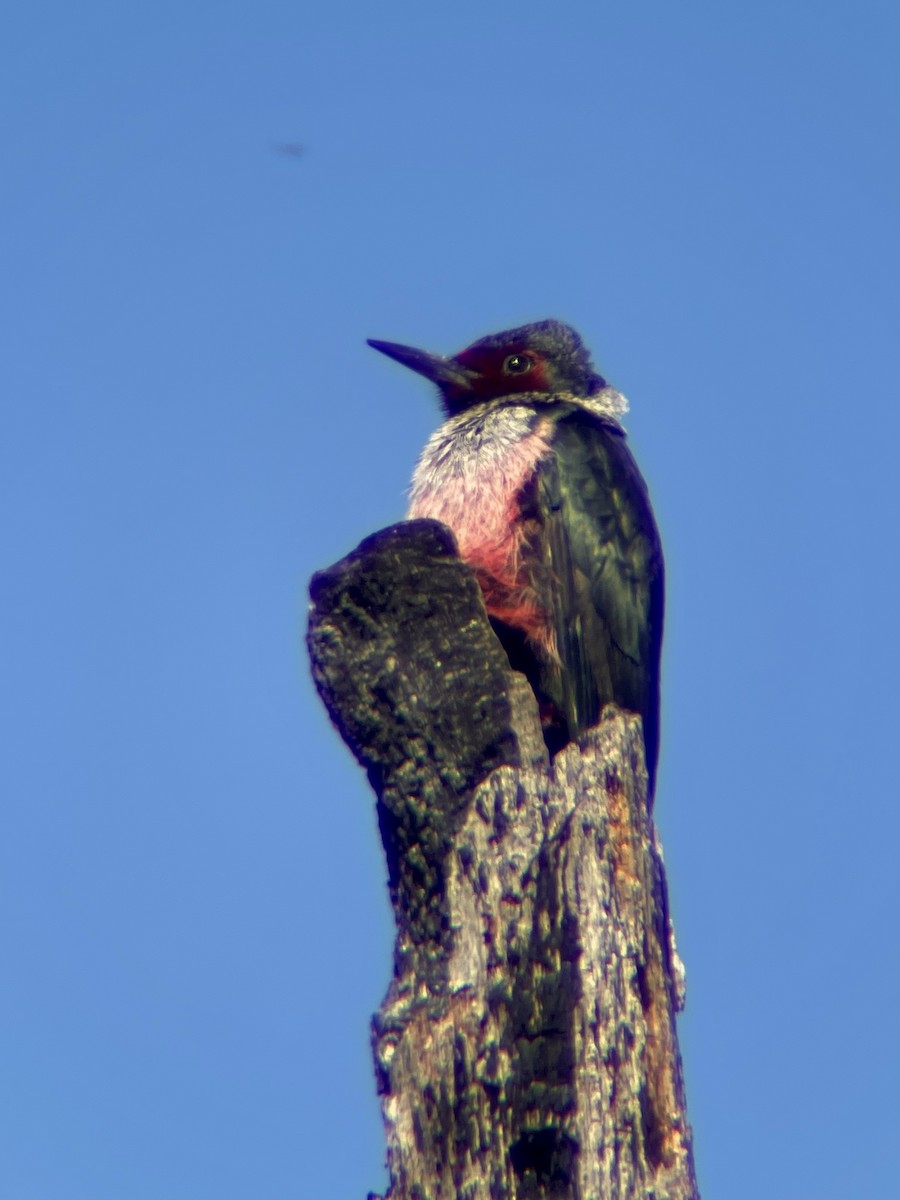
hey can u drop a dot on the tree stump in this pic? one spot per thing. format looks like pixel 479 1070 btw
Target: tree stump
pixel 527 1045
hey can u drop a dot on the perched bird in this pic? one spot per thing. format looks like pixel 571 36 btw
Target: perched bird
pixel 532 473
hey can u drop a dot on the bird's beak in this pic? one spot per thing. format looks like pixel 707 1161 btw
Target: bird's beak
pixel 445 372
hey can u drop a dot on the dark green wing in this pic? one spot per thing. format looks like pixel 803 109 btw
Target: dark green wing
pixel 604 577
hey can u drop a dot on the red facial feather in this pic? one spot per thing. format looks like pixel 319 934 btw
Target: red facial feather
pixel 492 380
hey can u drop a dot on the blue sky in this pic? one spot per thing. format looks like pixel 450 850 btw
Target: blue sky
pixel 194 926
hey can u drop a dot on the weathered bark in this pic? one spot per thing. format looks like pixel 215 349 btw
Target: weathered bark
pixel 527 1043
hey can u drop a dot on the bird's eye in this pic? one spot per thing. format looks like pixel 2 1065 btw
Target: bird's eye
pixel 517 364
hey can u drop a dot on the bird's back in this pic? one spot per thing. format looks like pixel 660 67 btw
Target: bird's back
pixel 603 577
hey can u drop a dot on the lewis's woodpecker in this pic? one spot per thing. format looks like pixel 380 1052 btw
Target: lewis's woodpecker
pixel 532 473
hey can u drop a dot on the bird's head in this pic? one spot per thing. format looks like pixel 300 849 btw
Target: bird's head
pixel 544 358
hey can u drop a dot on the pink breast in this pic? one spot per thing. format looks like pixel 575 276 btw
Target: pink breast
pixel 482 505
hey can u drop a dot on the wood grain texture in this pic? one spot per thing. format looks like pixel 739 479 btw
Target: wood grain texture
pixel 527 1046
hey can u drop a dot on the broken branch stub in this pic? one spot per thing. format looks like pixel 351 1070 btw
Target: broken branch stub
pixel 527 1044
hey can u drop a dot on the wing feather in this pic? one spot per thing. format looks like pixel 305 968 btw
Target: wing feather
pixel 603 576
